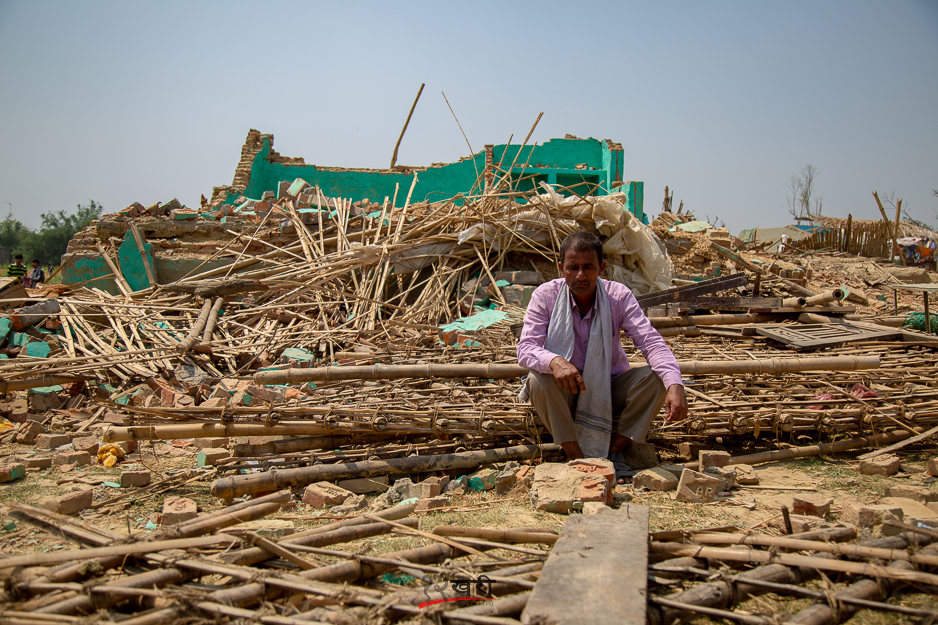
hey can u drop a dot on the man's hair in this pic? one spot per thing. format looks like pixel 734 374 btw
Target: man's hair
pixel 581 242
pixel 20 256
pixel 35 260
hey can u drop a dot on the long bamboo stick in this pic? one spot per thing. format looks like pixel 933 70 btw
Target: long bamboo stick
pixel 482 370
pixel 230 487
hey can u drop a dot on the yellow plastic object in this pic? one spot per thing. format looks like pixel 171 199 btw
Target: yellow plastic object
pixel 110 454
pixel 5 425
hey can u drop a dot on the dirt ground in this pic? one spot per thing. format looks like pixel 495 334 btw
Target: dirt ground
pixel 754 509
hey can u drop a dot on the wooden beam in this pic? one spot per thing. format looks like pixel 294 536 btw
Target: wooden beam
pixel 596 573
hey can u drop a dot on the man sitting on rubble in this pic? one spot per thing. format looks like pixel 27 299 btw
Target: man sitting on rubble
pixel 580 381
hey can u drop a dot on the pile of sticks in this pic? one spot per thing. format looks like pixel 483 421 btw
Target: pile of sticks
pixel 734 567
pixel 367 567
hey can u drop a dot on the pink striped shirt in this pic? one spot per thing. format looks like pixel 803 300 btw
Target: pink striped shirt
pixel 626 315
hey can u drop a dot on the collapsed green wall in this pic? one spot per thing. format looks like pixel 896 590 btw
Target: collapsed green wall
pixel 554 162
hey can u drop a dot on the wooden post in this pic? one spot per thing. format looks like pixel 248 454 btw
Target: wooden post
pixel 895 232
pixel 847 233
pixel 138 239
pixel 889 230
pixel 401 138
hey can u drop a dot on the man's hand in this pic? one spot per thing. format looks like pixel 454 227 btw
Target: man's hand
pixel 570 380
pixel 675 403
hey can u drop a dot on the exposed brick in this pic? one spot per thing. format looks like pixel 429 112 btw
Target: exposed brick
pixel 710 458
pixel 745 474
pixel 655 479
pixel 177 510
pixel 70 503
pixel 86 443
pixel 81 458
pixel 12 471
pixel 887 464
pixel 812 505
pixel 920 494
pixel 27 433
pixel 134 478
pixel 322 494
pixel 209 456
pixel 697 487
pixel 365 485
pixel 431 503
pixel 52 441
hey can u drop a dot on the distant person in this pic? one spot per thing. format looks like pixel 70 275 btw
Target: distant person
pixel 36 277
pixel 17 269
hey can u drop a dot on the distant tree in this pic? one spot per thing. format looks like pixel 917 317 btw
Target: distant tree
pixel 50 242
pixel 15 235
pixel 801 192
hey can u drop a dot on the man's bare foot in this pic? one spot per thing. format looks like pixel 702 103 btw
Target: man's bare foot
pixel 572 450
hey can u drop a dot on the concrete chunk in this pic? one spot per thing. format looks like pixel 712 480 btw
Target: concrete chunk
pixel 870 516
pixel 887 464
pixel 920 494
pixel 70 503
pixel 933 466
pixel 556 487
pixel 911 509
pixel 697 487
pixel 322 494
pixel 656 479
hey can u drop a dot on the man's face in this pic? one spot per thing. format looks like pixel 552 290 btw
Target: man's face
pixel 19 261
pixel 581 270
pixel 35 264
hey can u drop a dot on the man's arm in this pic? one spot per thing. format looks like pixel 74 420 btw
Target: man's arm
pixel 531 352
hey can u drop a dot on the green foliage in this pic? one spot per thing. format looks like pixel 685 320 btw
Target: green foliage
pixel 49 243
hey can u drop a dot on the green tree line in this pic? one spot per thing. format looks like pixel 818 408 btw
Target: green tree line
pixel 49 242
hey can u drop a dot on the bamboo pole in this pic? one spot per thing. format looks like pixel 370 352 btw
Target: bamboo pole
pixel 481 370
pixel 817 450
pixel 186 344
pixel 231 487
pixel 755 556
pixel 21 384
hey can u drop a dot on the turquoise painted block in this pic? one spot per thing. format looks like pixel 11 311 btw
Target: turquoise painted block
pixel 185 216
pixel 502 283
pixel 132 264
pixel 477 321
pixel 18 471
pixel 208 216
pixel 46 390
pixel 297 186
pixel 5 325
pixel 38 349
pixel 19 339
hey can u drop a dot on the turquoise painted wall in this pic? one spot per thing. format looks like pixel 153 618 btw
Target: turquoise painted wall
pixel 553 162
pixel 131 263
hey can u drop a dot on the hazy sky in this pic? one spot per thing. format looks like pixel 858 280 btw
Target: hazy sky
pixel 722 101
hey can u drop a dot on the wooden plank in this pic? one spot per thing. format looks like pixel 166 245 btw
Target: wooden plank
pixel 596 573
pixel 682 293
pixel 734 303
pixel 815 335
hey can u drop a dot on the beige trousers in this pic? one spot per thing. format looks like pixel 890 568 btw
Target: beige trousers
pixel 637 396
